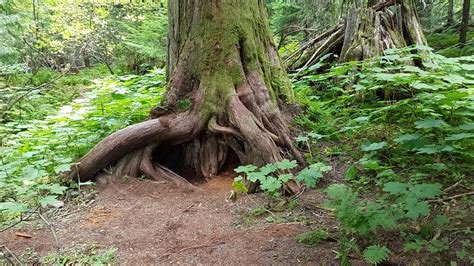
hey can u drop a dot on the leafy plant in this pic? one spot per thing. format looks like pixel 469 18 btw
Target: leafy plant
pixel 272 177
pixel 89 254
pixel 313 237
pixel 410 197
pixel 34 153
pixel 376 254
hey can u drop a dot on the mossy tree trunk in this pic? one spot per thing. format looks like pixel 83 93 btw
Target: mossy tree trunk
pixel 366 33
pixel 221 106
pixel 370 31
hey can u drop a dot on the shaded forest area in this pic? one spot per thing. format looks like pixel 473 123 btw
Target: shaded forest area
pixel 320 132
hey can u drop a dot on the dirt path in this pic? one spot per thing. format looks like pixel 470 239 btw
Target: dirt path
pixel 152 223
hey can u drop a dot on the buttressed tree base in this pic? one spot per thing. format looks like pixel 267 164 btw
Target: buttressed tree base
pixel 221 106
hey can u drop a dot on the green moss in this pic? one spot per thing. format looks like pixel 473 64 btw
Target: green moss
pixel 219 88
pixel 184 105
pixel 231 32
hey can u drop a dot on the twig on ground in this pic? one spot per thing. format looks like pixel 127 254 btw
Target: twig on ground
pixel 51 227
pixel 188 208
pixel 453 197
pixel 451 187
pixel 194 247
pixel 11 254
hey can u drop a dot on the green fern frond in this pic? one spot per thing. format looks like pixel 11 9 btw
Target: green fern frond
pixel 376 254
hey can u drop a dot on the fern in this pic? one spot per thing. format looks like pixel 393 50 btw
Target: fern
pixel 376 254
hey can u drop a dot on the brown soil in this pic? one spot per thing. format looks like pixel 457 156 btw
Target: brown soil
pixel 156 223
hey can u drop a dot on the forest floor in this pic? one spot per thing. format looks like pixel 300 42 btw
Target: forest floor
pixel 150 222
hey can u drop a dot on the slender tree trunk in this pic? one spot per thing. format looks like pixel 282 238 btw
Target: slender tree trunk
pixel 465 22
pixel 225 84
pixel 450 18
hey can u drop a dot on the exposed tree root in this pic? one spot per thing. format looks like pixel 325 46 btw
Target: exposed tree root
pixel 234 85
pixel 255 137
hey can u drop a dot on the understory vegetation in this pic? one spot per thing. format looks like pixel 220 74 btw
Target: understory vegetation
pixel 388 141
pixel 402 136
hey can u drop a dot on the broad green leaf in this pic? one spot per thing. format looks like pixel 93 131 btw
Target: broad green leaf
pixel 441 220
pixel 428 149
pixel 396 188
pixel 49 200
pixel 62 168
pixel 309 176
pixel 374 146
pixel 426 191
pixel 460 136
pixel 417 209
pixel 56 189
pixel 253 177
pixel 245 169
pixel 286 164
pixel 430 123
pixel 370 164
pixel 271 184
pixel 13 207
pixel 467 126
pixel 407 138
pixel 267 169
pixel 321 167
pixel 285 177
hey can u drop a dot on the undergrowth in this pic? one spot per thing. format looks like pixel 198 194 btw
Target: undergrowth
pixel 33 153
pixel 404 133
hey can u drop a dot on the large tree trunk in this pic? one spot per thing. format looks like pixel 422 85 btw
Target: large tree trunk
pixel 465 22
pixel 221 107
pixel 366 33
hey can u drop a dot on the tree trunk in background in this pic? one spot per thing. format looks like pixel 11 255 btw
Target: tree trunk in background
pixel 450 18
pixel 465 22
pixel 369 32
pixel 221 106
pixel 366 33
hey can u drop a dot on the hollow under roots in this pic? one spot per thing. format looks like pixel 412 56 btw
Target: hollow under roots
pixel 249 130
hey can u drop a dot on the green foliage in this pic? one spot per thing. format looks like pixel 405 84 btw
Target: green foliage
pixel 313 237
pixel 25 97
pixel 404 201
pixel 410 197
pixel 272 177
pixel 63 34
pixel 144 32
pixel 89 254
pixel 399 115
pixel 33 153
pixel 183 105
pixel 376 254
pixel 356 215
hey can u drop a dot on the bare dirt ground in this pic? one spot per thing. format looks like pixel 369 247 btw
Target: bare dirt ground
pixel 155 223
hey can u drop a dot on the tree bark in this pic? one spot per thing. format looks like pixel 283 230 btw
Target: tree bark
pixel 366 33
pixel 465 22
pixel 224 69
